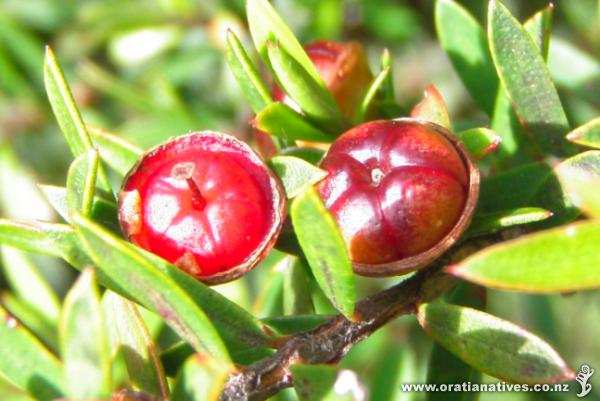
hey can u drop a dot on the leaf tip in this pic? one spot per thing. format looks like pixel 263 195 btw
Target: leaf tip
pixel 573 136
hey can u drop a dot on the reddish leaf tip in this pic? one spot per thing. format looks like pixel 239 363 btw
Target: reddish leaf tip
pixel 573 136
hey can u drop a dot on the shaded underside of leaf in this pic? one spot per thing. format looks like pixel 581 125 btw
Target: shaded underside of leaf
pixel 492 345
pixel 26 363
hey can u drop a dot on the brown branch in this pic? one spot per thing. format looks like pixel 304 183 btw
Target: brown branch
pixel 329 342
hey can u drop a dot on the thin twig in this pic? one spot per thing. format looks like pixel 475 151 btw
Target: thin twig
pixel 329 342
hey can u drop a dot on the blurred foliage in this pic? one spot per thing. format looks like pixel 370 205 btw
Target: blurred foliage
pixel 152 69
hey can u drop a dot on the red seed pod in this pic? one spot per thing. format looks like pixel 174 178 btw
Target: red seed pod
pixel 402 192
pixel 344 69
pixel 205 202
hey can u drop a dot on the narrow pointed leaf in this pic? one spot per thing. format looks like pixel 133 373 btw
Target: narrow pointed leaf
pixel 81 182
pixel 295 174
pixel 150 286
pixel 66 112
pixel 83 342
pixel 117 153
pixel 266 25
pixel 432 108
pixel 558 260
pixel 26 236
pixel 129 333
pixel 34 320
pixel 514 188
pixel 516 145
pixel 313 99
pixel 201 378
pixel 325 249
pixel 280 120
pixel 246 75
pixel 480 141
pixel 231 321
pixel 525 77
pixel 314 382
pixel 295 324
pixel 587 135
pixel 444 367
pixel 538 27
pixel 102 210
pixel 465 43
pixel 371 94
pixel 492 345
pixel 311 155
pixel 29 284
pixel 26 363
pixel 296 293
pixel 486 223
pixel 387 86
pixel 580 179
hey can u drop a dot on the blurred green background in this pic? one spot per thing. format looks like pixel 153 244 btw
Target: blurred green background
pixel 151 69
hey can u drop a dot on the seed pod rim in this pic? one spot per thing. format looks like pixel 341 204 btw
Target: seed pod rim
pixel 415 262
pixel 278 203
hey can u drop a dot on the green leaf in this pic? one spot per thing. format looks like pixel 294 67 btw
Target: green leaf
pixel 465 42
pixel 538 26
pixel 492 345
pixel 579 176
pixel 150 286
pixel 486 223
pixel 117 153
pixel 514 188
pixel 314 99
pixel 29 284
pixel 587 135
pixel 232 321
pixel 479 141
pixel 26 363
pixel 387 86
pixel 83 342
pixel 295 324
pixel 81 182
pixel 67 245
pixel 525 77
pixel 313 382
pixel 103 211
pixel 269 300
pixel 325 249
pixel 26 236
pixel 201 378
pixel 311 155
pixel 558 260
pixel 295 174
pixel 67 114
pixel 246 75
pixel 280 120
pixel 296 293
pixel 129 333
pixel 378 82
pixel 34 320
pixel 444 367
pixel 516 145
pixel 432 108
pixel 266 25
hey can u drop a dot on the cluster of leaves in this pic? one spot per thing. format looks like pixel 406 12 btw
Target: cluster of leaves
pixel 506 73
